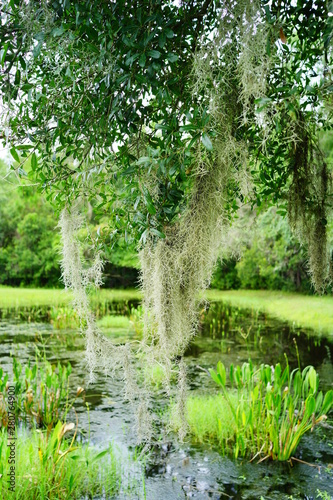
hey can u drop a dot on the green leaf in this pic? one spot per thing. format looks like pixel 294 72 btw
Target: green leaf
pixel 14 154
pixel 231 373
pixel 101 454
pixel 33 161
pixel 157 232
pixel 71 482
pixel 206 142
pixel 26 87
pixel 172 57
pixel 155 54
pixel 17 77
pixel 148 201
pixel 310 405
pixel 58 31
pixel 189 127
pixel 37 49
pixel 3 53
pixel 159 126
pixel 22 172
pixel 221 373
pixel 144 160
pixel 162 40
pixel 130 170
pixel 214 376
pixel 328 402
pixel 142 60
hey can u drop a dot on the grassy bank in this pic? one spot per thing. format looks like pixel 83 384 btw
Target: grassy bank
pixel 305 311
pixel 27 297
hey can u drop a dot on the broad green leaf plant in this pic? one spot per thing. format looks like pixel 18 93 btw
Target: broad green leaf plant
pixel 274 407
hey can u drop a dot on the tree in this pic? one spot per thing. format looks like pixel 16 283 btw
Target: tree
pixel 167 116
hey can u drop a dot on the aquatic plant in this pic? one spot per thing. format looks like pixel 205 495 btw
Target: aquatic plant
pixel 261 413
pixel 209 419
pixel 49 465
pixel 323 494
pixel 42 394
pixel 274 408
pixel 63 317
pixel 136 319
pixel 114 321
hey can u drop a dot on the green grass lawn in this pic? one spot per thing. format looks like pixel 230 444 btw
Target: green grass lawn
pixel 28 297
pixel 306 311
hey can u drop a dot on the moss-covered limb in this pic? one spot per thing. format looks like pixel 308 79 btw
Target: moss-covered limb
pixel 177 269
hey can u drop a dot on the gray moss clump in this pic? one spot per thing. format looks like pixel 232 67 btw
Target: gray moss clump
pixel 308 202
pixel 101 353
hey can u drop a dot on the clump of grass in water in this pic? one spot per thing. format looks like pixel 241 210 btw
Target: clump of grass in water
pixel 265 413
pixel 64 317
pixel 48 465
pixel 210 419
pixel 41 392
pixel 114 321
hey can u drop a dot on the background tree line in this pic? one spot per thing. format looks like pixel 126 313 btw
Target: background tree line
pixel 30 242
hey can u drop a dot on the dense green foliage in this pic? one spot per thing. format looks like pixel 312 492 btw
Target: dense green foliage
pixel 275 260
pixel 138 72
pixel 29 251
pixel 29 243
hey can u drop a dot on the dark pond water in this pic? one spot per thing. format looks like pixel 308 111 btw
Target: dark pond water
pixel 175 471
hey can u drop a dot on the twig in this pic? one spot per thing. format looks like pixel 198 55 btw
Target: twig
pixel 303 462
pixel 258 453
pixel 203 369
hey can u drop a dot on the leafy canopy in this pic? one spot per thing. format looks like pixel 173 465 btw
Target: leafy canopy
pixel 100 96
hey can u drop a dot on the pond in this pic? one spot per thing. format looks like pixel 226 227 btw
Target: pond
pixel 190 469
